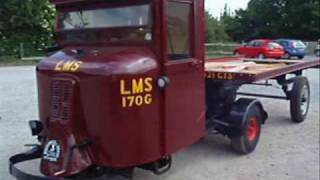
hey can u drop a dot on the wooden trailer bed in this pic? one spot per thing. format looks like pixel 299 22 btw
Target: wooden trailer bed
pixel 252 70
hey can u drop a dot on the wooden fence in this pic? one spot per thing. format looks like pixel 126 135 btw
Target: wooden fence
pixel 212 49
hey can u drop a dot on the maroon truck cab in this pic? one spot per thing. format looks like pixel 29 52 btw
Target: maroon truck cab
pixel 126 88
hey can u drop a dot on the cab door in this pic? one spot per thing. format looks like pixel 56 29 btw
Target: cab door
pixel 184 67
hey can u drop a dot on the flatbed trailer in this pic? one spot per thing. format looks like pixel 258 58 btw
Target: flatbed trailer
pixel 247 70
pixel 128 86
pixel 243 71
pixel 224 77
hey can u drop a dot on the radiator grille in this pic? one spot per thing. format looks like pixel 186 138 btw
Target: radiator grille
pixel 62 99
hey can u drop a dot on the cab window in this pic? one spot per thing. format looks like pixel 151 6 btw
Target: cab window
pixel 179 32
pixel 111 23
pixel 124 16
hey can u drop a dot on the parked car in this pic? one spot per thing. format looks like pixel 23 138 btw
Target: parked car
pixel 293 48
pixel 261 48
pixel 317 51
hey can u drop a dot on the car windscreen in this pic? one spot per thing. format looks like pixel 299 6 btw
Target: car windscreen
pixel 124 16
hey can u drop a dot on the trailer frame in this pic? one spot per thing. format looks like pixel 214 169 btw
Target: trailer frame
pixel 223 84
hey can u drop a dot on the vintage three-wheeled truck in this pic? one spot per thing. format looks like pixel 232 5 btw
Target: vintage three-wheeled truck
pixel 129 85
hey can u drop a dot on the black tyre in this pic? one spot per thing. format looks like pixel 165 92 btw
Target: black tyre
pixel 300 99
pixel 248 140
pixel 300 57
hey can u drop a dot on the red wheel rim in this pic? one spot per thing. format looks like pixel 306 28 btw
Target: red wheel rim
pixel 253 129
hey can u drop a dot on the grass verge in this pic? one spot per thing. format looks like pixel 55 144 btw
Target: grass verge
pixel 14 61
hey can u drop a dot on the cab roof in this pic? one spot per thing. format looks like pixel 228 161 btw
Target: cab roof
pixel 61 2
pixel 65 1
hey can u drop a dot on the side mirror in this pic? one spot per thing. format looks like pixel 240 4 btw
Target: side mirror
pixel 36 127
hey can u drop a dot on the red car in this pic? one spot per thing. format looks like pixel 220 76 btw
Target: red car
pixel 261 48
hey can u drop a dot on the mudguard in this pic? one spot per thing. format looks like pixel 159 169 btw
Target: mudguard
pixel 36 153
pixel 237 117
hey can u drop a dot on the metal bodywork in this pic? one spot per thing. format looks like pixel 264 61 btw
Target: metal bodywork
pixel 112 129
pixel 87 104
pixel 261 48
pixel 291 50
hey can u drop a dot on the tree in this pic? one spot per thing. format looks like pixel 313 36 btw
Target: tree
pixel 215 30
pixel 298 19
pixel 227 20
pixel 26 21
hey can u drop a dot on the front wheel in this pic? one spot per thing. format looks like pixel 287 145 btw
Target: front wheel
pixel 300 57
pixel 248 140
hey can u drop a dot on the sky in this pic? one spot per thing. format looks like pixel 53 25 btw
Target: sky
pixel 215 7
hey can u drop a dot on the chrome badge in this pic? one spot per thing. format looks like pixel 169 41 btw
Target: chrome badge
pixel 52 151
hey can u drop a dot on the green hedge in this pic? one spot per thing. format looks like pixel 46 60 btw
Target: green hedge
pixel 28 45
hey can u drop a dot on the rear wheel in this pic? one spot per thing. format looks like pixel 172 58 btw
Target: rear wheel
pixel 261 56
pixel 248 140
pixel 300 99
pixel 300 57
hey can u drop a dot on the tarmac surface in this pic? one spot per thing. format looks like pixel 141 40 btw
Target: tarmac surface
pixel 286 151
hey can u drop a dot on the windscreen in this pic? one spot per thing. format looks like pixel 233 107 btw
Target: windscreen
pixel 125 16
pixel 110 24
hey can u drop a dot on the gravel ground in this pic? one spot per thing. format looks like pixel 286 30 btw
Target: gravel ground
pixel 287 151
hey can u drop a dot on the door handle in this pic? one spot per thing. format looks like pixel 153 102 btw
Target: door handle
pixel 196 62
pixel 163 82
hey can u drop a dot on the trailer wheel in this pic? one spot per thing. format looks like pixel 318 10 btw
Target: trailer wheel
pixel 300 99
pixel 248 140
